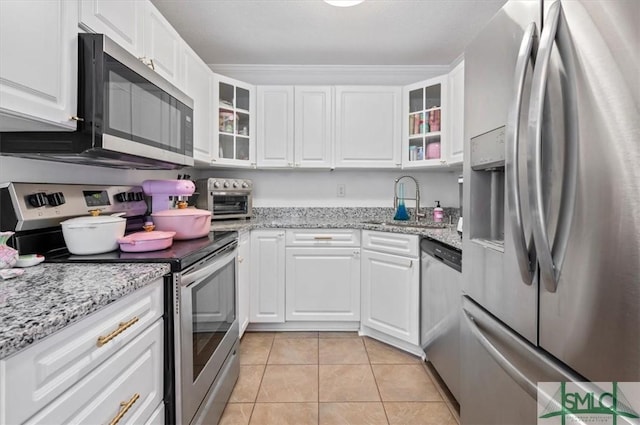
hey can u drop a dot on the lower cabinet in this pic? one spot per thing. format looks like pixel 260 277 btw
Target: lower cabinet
pixel 91 370
pixel 391 286
pixel 267 276
pixel 323 284
pixel 244 279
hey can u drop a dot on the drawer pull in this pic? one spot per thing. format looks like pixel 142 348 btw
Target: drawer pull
pixel 123 326
pixel 323 238
pixel 124 408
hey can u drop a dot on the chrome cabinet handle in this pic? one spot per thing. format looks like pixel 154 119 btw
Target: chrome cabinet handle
pixel 122 326
pixel 524 256
pixel 124 408
pixel 323 238
pixel 550 259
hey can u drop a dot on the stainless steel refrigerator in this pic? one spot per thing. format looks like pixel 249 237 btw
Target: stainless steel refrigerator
pixel 551 276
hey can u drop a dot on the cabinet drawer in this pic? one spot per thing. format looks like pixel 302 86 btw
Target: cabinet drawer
pixel 323 237
pixel 392 243
pixel 36 376
pixel 131 378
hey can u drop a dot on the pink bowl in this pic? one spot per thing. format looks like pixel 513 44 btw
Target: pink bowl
pixel 146 241
pixel 188 223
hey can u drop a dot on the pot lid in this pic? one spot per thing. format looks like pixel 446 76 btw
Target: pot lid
pixel 146 236
pixel 95 219
pixel 182 212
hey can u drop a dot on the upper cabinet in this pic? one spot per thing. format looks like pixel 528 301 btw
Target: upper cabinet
pixel 161 45
pixel 235 130
pixel 197 85
pixel 368 133
pixel 120 20
pixel 425 117
pixel 295 126
pixel 38 65
pixel 456 122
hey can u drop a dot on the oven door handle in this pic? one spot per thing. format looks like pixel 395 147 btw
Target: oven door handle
pixel 219 259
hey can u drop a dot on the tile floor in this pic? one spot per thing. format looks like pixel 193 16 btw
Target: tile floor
pixel 332 378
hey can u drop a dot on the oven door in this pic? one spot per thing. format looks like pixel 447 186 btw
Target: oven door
pixel 208 326
pixel 230 205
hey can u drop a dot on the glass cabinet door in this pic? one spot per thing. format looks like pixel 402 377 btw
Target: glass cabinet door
pixel 425 123
pixel 234 122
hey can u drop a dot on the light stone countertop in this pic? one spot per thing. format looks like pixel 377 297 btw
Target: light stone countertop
pixel 49 296
pixel 447 235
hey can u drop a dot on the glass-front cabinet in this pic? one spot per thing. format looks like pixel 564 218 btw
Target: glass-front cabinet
pixel 235 108
pixel 425 129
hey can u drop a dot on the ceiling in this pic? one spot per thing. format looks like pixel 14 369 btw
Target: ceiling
pixel 311 32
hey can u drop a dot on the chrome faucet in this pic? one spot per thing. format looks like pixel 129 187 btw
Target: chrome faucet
pixel 418 214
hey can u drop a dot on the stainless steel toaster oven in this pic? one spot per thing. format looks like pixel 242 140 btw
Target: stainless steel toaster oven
pixel 225 198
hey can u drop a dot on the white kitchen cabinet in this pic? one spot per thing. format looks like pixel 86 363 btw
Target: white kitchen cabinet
pixel 161 45
pixel 323 275
pixel 244 279
pixel 426 114
pixel 391 289
pixel 313 127
pixel 197 85
pixel 295 126
pixel 368 130
pixel 275 126
pixel 234 132
pixel 120 20
pixel 456 117
pixel 267 298
pixel 38 65
pixel 73 368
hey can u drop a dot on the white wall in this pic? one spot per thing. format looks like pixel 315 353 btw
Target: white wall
pixel 36 171
pixel 364 188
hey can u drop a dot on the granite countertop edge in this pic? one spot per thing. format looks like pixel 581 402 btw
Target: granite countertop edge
pixel 447 235
pixel 52 296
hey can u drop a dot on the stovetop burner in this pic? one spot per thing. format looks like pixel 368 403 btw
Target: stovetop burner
pixel 180 255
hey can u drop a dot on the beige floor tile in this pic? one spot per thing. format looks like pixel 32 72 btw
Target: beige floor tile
pixel 248 383
pixel 255 350
pixel 254 335
pixel 236 414
pixel 380 353
pixel 347 383
pixel 338 334
pixel 342 351
pixel 419 413
pixel 289 335
pixel 285 414
pixel 371 413
pixel 297 383
pixel 404 383
pixel 294 351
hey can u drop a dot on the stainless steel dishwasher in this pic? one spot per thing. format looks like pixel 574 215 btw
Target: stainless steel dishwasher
pixel 440 304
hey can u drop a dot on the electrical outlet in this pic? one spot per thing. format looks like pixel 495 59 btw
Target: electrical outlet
pixel 341 190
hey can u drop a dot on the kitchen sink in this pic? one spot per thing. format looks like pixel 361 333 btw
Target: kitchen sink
pixel 414 224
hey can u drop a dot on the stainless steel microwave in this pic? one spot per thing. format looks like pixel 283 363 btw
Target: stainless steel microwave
pixel 128 116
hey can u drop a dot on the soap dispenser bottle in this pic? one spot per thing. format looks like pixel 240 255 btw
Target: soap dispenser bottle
pixel 401 211
pixel 438 213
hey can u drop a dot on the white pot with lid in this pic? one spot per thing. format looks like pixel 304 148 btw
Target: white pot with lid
pixel 93 234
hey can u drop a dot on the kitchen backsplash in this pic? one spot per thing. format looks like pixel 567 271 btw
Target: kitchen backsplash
pixel 342 213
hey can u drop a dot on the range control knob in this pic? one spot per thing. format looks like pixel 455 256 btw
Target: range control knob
pixel 216 184
pixel 235 184
pixel 130 197
pixel 38 200
pixel 245 185
pixel 56 199
pixel 139 196
pixel 226 184
pixel 121 197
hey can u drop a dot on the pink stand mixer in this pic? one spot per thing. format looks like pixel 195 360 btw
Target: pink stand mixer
pixel 162 191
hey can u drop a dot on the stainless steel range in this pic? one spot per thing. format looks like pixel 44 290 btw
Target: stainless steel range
pixel 201 325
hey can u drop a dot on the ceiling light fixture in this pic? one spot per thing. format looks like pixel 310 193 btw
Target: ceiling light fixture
pixel 343 3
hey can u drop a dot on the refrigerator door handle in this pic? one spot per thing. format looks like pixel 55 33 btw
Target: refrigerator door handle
pixel 550 260
pixel 521 379
pixel 524 255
